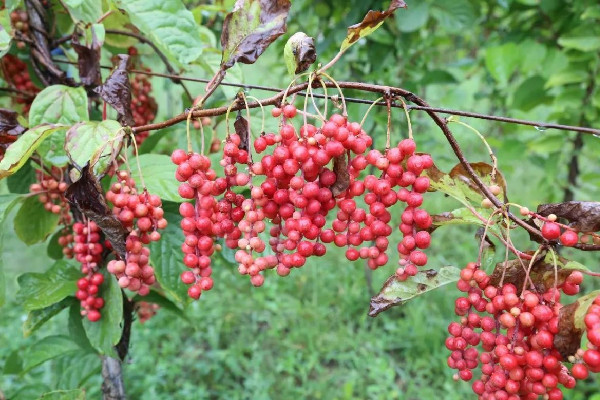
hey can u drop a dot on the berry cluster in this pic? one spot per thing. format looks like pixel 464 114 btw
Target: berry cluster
pixel 20 21
pixel 301 177
pixel 516 333
pixel 17 76
pixel 146 310
pixel 143 105
pixel 50 192
pixel 88 252
pixel 590 358
pixel 551 231
pixel 142 215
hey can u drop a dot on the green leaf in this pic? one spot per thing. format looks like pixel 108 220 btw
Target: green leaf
pixel 157 298
pixel 105 333
pixel 55 250
pixel 31 391
pixel 88 11
pixel 168 24
pixel 95 142
pixel 581 43
pixel 76 329
pixel 21 180
pixel 530 94
pixel 158 171
pixel 13 364
pixel 502 61
pixel 369 24
pixel 454 15
pixel 166 255
pixel 33 223
pixel 76 369
pixel 151 141
pixel 413 18
pixel 46 349
pixel 460 216
pixel 52 150
pixel 566 77
pixel 59 104
pixel 40 290
pixel 5 32
pixel 7 202
pixel 72 394
pixel 395 293
pixel 37 318
pixel 18 152
pixel 584 304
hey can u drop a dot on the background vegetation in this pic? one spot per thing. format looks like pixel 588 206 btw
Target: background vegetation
pixel 308 335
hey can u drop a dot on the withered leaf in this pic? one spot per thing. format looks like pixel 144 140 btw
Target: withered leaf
pixel 242 128
pixel 250 28
pixel 483 171
pixel 370 23
pixel 342 176
pixel 10 127
pixel 568 339
pixel 395 292
pixel 86 194
pixel 116 91
pixel 299 53
pixel 88 60
pixel 582 215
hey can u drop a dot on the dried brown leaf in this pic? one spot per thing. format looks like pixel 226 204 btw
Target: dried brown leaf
pixel 88 60
pixel 116 91
pixel 342 181
pixel 242 128
pixel 10 127
pixel 568 339
pixel 87 195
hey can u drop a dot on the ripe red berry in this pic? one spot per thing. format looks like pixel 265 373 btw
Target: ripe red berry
pixel 551 231
pixel 569 238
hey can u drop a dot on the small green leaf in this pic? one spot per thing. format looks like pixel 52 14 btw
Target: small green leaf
pixel 566 77
pixel 461 216
pixel 395 292
pixel 95 142
pixel 88 11
pixel 158 171
pixel 369 24
pixel 59 104
pixel 52 150
pixel 168 24
pixel 13 364
pixel 37 318
pixel 105 333
pixel 40 290
pixel 46 349
pixel 502 61
pixel 7 202
pixel 18 152
pixel 413 18
pixel 166 256
pixel 72 394
pixel 581 43
pixel 530 94
pixel 5 32
pixel 33 223
pixel 454 15
pixel 22 179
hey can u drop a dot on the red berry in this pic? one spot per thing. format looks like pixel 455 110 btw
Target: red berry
pixel 551 231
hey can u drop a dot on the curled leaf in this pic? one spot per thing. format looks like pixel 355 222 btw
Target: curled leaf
pixel 395 293
pixel 571 324
pixel 250 28
pixel 342 176
pixel 242 128
pixel 582 215
pixel 370 23
pixel 87 195
pixel 299 53
pixel 88 60
pixel 116 91
pixel 10 127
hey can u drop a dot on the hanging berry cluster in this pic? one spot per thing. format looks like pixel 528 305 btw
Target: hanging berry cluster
pixel 516 332
pixel 20 21
pixel 143 105
pixel 589 359
pixel 299 180
pixel 16 75
pixel 88 252
pixel 142 215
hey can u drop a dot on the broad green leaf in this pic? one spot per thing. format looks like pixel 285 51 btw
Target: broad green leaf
pixel 158 171
pixel 413 18
pixel 105 333
pixel 168 24
pixel 151 141
pixel 32 391
pixel 592 12
pixel 581 43
pixel 54 249
pixel 395 292
pixel 166 256
pixel 454 15
pixel 40 290
pixel 566 77
pixel 59 104
pixel 502 61
pixel 46 349
pixel 71 394
pixel 7 202
pixel 118 20
pixel 22 179
pixel 96 142
pixel 18 152
pixel 76 369
pixel 13 364
pixel 33 223
pixel 88 11
pixel 76 329
pixel 536 52
pixel 250 28
pixel 369 24
pixel 530 94
pixel 37 318
pixel 52 150
pixel 5 31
